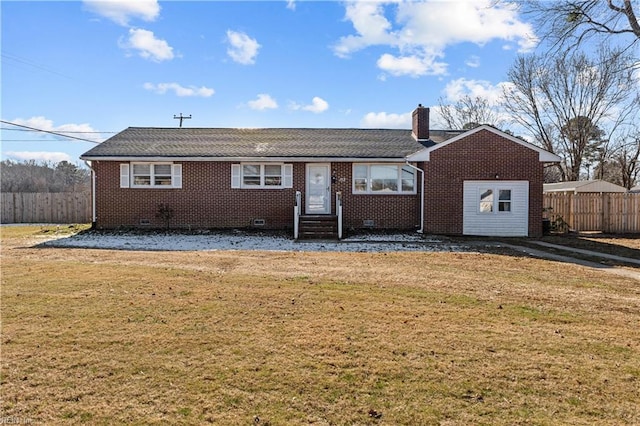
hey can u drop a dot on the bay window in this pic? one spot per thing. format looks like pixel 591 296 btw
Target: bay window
pixel 383 179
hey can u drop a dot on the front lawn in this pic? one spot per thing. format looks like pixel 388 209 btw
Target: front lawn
pixel 253 337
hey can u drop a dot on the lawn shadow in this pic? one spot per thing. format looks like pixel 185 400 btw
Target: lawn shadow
pixel 608 249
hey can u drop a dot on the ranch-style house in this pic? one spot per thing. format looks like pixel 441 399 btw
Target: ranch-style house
pixel 321 182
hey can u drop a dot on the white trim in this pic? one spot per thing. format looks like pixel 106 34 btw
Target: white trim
pixel 248 159
pixel 175 174
pixel 237 175
pixel 495 198
pixel 327 192
pixel 124 175
pixel 287 176
pixel 544 156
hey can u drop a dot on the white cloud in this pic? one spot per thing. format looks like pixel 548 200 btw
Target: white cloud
pixel 413 65
pixel 147 45
pixel 316 106
pixel 243 49
pixel 291 4
pixel 371 25
pixel 179 90
pixel 384 120
pixel 473 61
pixel 457 89
pixel 421 31
pixel 54 157
pixel 121 11
pixel 264 101
pixel 83 131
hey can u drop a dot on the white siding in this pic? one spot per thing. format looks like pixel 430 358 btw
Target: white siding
pixel 496 224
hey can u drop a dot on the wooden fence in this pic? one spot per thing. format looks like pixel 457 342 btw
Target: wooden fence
pixel 605 212
pixel 62 207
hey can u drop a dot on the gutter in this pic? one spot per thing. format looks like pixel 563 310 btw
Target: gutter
pixel 421 230
pixel 93 194
pixel 248 159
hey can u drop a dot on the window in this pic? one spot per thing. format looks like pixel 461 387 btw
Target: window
pixel 251 175
pixel 488 201
pixel 504 200
pixel 272 175
pixel 150 175
pixel 383 179
pixel 261 175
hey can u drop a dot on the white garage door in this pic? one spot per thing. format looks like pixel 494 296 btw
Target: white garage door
pixel 496 208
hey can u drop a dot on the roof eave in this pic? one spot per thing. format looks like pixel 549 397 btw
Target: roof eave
pixel 129 158
pixel 544 156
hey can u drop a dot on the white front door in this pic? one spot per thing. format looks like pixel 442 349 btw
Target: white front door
pixel 318 199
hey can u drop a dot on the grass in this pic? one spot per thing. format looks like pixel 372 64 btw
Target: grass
pixel 104 337
pixel 619 245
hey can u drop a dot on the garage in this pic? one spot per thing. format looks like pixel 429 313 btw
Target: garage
pixel 496 208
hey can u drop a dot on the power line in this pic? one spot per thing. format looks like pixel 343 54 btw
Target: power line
pixel 27 140
pixel 66 131
pixel 48 131
pixel 33 64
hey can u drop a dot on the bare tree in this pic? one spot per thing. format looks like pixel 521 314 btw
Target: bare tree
pixel 32 176
pixel 585 140
pixel 572 104
pixel 468 113
pixel 627 158
pixel 569 24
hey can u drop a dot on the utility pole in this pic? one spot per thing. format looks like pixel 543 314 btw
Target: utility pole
pixel 181 117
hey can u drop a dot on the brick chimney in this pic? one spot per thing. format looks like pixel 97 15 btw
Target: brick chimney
pixel 420 120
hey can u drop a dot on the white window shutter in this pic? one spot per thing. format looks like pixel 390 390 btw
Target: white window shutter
pixel 288 176
pixel 176 175
pixel 124 175
pixel 235 175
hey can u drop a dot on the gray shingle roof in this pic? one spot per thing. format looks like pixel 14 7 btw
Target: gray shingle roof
pixel 141 142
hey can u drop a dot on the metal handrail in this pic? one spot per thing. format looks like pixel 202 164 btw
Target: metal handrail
pixel 296 214
pixel 339 213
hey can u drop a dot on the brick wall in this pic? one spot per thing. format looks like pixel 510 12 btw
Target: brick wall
pixel 480 156
pixel 400 212
pixel 207 200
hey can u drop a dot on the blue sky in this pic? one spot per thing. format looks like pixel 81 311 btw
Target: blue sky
pixel 95 68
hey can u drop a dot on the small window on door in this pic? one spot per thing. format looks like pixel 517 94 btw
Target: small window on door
pixel 504 200
pixel 494 200
pixel 486 200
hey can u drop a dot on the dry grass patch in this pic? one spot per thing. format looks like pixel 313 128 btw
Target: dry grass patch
pixel 103 337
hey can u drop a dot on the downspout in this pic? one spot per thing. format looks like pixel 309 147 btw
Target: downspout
pixel 421 230
pixel 93 194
